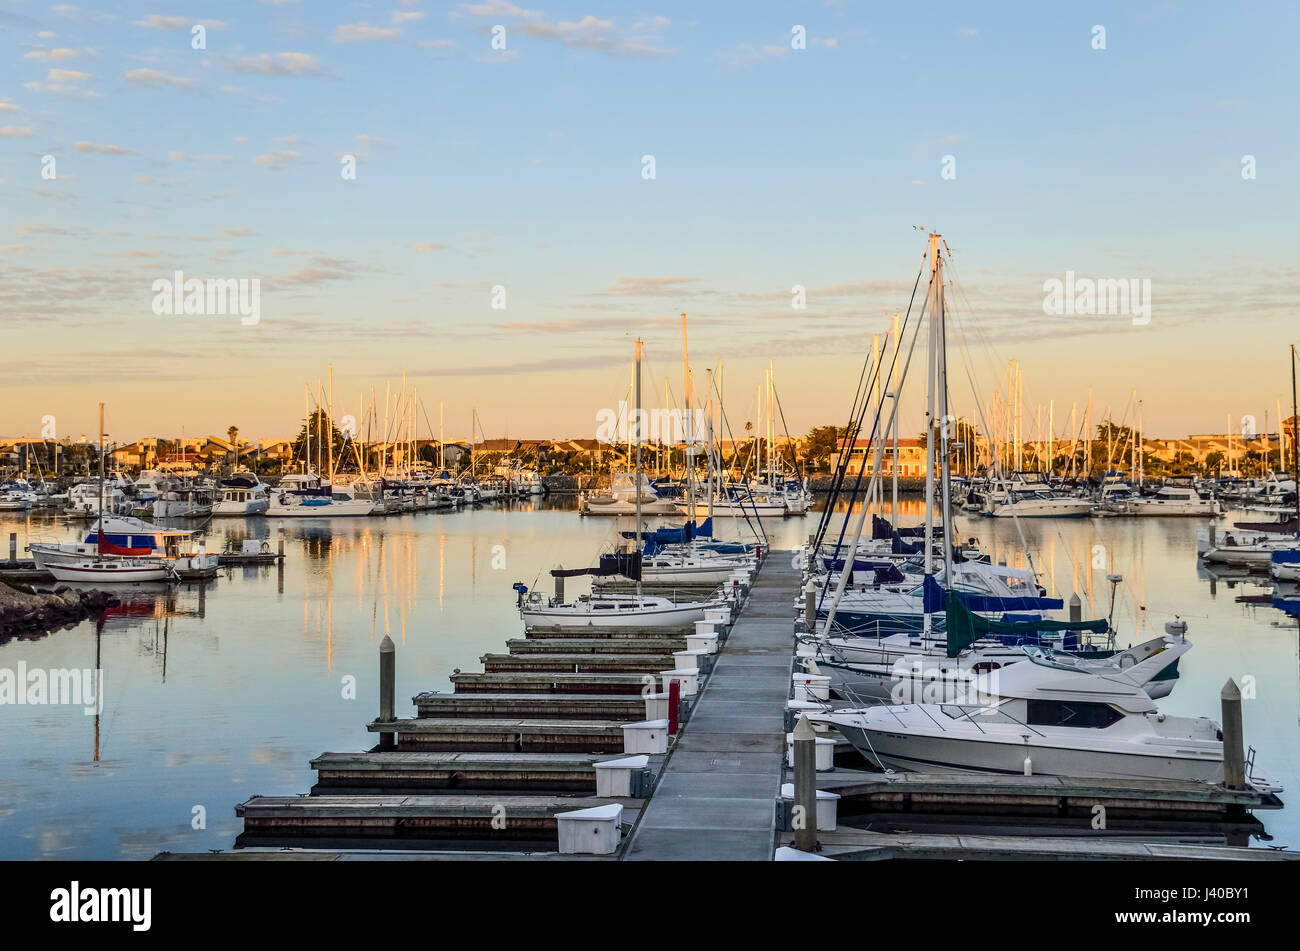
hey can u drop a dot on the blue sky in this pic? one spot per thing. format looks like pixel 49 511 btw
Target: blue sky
pixel 523 168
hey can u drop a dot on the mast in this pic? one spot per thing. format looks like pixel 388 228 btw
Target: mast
pixel 941 382
pixel 689 449
pixel 929 427
pixel 99 534
pixel 893 385
pixel 1295 456
pixel 636 417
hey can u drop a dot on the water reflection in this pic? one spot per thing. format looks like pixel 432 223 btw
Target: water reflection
pixel 218 691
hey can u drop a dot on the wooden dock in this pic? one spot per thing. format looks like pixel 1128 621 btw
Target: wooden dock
pixel 716 797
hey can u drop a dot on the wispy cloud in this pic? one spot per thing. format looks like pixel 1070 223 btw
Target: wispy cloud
pixel 590 32
pixel 276 161
pixel 153 79
pixel 90 148
pixel 363 32
pixel 278 64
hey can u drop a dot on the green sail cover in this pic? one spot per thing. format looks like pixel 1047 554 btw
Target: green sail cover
pixel 965 626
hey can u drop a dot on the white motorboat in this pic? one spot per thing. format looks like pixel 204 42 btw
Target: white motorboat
pixel 1174 500
pixel 934 677
pixel 242 495
pixel 622 498
pixel 304 496
pixel 1036 503
pixel 1235 547
pixel 1057 715
pixel 84 500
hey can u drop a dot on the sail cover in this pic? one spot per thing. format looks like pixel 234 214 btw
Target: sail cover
pixel 627 564
pixel 106 547
pixel 965 626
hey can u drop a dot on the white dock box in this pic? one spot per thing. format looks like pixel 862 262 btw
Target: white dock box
pixel 706 643
pixel 648 736
pixel 720 615
pixel 251 546
pixel 707 626
pixel 827 805
pixel 594 831
pixel 614 779
pixel 825 753
pixel 813 685
pixel 688 680
pixel 656 706
pixel 688 659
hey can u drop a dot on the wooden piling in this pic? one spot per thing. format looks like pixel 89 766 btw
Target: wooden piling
pixel 13 546
pixel 810 607
pixel 805 786
pixel 1076 608
pixel 1234 751
pixel 387 691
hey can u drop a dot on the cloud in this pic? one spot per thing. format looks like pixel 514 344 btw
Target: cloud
pixel 650 286
pixel 152 79
pixel 363 32
pixel 156 22
pixel 62 82
pixel 400 17
pixel 54 56
pixel 434 44
pixel 424 247
pixel 747 55
pixel 16 132
pixel 320 270
pixel 590 32
pixel 88 148
pixel 7 106
pixel 278 64
pixel 277 160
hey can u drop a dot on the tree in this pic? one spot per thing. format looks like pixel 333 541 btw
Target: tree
pixel 232 433
pixel 823 442
pixel 315 425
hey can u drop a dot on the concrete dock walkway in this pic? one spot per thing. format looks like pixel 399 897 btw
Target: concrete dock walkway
pixel 715 799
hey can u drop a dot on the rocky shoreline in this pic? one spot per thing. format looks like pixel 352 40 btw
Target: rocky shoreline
pixel 24 612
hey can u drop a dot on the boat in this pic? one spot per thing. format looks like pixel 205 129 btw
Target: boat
pixel 1057 715
pixel 623 498
pixel 86 501
pixel 1236 547
pixel 242 495
pixel 636 610
pixel 127 536
pixel 1171 500
pixel 113 571
pixel 1284 564
pixel 302 495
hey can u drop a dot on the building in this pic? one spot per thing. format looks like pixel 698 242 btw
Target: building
pixel 907 454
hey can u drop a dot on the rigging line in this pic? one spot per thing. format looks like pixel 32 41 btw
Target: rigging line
pixel 847 571
pixel 761 532
pixel 852 432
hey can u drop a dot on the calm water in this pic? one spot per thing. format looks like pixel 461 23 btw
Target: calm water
pixel 214 694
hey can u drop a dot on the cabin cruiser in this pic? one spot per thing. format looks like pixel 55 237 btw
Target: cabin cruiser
pixel 1115 498
pixel 1039 503
pixel 1175 500
pixel 1054 715
pixel 15 499
pixel 182 501
pixel 1238 547
pixel 621 499
pixel 83 500
pixel 302 495
pixel 1284 564
pixel 935 677
pixel 243 494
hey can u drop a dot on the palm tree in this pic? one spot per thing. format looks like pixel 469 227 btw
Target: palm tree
pixel 233 434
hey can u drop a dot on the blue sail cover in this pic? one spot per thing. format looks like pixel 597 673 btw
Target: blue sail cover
pixel 1287 556
pixel 660 537
pixel 932 597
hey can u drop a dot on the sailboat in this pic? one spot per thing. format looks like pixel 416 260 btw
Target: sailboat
pixel 612 610
pixel 120 566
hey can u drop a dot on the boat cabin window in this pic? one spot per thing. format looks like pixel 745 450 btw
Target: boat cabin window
pixel 1085 715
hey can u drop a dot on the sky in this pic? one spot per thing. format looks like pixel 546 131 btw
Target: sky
pixel 521 176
